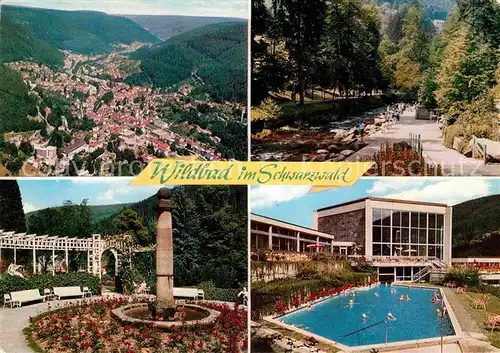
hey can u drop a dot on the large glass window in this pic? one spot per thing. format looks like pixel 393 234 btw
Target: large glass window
pixel 401 233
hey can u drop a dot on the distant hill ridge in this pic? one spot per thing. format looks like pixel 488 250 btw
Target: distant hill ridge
pixel 167 26
pixel 85 32
pixel 98 211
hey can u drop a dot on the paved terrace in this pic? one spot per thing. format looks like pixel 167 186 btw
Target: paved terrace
pixel 451 161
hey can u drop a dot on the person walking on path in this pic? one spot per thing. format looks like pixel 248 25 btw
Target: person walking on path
pixel 362 131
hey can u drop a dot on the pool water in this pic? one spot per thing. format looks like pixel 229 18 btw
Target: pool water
pixel 335 319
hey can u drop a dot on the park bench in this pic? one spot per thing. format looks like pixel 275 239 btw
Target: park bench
pixel 25 296
pixel 64 292
pixel 193 293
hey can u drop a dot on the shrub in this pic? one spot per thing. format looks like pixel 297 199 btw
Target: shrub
pixel 450 133
pixel 126 279
pixel 13 283
pixel 267 110
pixel 222 294
pixel 464 276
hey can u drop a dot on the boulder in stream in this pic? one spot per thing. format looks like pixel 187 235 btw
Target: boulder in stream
pixel 347 153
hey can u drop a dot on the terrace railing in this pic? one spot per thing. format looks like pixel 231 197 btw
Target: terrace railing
pixel 420 275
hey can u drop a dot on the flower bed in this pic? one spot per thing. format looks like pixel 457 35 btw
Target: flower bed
pixel 265 296
pixel 400 159
pixel 296 302
pixel 89 327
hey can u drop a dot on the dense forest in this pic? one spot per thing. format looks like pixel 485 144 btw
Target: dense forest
pixel 355 48
pixel 18 44
pixel 210 230
pixel 215 55
pixel 472 221
pixel 79 31
pixel 15 102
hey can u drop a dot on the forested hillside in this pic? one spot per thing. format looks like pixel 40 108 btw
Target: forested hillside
pixel 214 54
pixel 15 103
pixel 79 31
pixel 167 26
pixel 17 44
pixel 472 220
pixel 215 216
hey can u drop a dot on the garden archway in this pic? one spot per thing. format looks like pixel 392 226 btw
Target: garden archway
pixel 120 245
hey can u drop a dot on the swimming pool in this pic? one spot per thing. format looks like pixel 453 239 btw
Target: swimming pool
pixel 336 320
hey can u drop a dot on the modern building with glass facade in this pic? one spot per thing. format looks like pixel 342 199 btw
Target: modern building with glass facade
pixel 400 238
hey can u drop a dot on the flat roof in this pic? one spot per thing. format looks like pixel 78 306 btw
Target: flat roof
pixel 306 229
pixel 384 200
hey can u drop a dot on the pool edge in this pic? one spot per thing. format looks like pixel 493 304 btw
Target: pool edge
pixel 387 347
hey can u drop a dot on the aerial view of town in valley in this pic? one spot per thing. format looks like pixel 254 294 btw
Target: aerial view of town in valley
pixel 89 93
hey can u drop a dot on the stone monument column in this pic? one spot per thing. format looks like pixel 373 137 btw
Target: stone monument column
pixel 164 255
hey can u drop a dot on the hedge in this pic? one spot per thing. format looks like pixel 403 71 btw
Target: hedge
pixel 221 294
pixel 14 283
pixel 265 295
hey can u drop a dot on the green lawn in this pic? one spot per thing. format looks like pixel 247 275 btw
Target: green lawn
pixel 480 316
pixel 309 108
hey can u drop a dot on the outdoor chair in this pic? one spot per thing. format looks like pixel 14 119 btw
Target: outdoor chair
pixel 479 303
pixel 484 302
pixel 87 292
pixel 47 293
pixel 7 300
pixel 493 321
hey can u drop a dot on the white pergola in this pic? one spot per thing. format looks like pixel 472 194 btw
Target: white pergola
pixel 94 247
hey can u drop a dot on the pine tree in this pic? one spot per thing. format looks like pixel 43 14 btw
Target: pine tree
pixel 11 207
pixel 302 23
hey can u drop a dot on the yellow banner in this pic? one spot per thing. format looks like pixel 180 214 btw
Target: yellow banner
pixel 189 172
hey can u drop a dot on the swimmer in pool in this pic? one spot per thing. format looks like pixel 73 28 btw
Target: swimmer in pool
pixel 439 313
pixel 377 295
pixel 364 317
pixel 407 297
pixel 391 317
pixel 393 291
pixel 401 298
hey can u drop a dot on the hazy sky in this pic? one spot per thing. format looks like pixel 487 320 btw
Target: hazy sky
pixel 51 192
pixel 216 8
